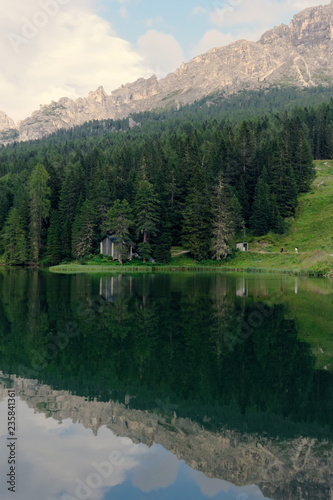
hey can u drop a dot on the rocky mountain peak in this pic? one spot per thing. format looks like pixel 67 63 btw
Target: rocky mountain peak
pixel 6 123
pixel 276 35
pixel 313 26
pixel 297 55
pixel 98 95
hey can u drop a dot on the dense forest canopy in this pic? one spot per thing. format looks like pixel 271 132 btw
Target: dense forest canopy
pixel 194 177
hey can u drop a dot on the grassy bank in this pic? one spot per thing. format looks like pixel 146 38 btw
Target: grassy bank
pixel 311 231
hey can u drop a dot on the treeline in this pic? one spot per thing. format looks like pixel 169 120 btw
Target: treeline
pixel 166 182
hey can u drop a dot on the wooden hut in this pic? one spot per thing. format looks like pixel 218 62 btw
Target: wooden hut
pixel 243 247
pixel 109 246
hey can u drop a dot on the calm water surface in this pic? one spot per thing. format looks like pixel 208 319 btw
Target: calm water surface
pixel 166 386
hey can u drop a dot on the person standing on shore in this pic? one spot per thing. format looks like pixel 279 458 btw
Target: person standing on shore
pixel 281 249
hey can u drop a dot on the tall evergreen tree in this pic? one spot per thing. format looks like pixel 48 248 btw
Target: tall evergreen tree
pixel 162 242
pixel 15 238
pixel 83 233
pixel 118 222
pixel 284 184
pixel 302 164
pixel 223 221
pixel 55 250
pixel 260 219
pixel 197 217
pixel 147 215
pixel 39 194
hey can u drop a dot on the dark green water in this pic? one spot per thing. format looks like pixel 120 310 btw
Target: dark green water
pixel 208 385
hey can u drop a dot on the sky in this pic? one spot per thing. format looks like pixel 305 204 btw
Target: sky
pixel 66 48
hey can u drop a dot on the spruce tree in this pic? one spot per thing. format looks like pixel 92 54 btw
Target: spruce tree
pixel 146 214
pixel 223 221
pixel 197 217
pixel 118 222
pixel 276 221
pixel 284 184
pixel 162 242
pixel 260 219
pixel 303 165
pixel 39 194
pixel 15 239
pixel 55 250
pixel 83 233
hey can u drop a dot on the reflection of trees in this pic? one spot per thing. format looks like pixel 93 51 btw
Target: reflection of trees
pixel 173 344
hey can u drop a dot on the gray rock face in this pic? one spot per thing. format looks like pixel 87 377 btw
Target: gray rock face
pixel 6 123
pixel 299 55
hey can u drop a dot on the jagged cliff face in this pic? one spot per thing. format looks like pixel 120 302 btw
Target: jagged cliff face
pixel 297 469
pixel 300 55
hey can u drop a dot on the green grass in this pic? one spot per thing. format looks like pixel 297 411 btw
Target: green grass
pixel 311 231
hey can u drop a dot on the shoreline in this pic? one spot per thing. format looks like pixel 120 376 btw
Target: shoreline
pixel 73 269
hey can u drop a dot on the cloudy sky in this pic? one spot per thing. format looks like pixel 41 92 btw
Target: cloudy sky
pixel 55 48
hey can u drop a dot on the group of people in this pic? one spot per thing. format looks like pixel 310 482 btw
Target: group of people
pixel 296 249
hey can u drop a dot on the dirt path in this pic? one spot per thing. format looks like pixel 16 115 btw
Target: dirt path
pixel 180 253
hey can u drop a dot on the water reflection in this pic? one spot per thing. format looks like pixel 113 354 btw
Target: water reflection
pixel 220 370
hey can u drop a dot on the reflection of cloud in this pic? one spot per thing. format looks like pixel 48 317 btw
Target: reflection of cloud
pixel 157 469
pixel 62 462
pixel 46 472
pixel 212 487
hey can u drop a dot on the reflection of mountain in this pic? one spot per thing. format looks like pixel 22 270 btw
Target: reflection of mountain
pixel 283 469
pixel 186 337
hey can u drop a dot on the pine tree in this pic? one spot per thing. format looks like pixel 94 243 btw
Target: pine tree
pixel 243 200
pixel 276 221
pixel 197 217
pixel 83 233
pixel 162 242
pixel 224 221
pixel 104 201
pixel 245 147
pixel 284 185
pixel 146 212
pixel 303 165
pixel 55 250
pixel 118 222
pixel 15 239
pixel 39 194
pixel 260 219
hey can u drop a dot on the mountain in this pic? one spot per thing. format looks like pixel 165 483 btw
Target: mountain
pixel 297 55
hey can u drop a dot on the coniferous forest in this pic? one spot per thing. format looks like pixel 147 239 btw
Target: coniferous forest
pixel 194 177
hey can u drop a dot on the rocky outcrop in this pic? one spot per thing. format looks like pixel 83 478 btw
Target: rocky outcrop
pixel 299 55
pixel 6 123
pixel 8 130
pixel 296 469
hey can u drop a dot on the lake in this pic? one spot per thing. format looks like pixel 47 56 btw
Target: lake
pixel 165 386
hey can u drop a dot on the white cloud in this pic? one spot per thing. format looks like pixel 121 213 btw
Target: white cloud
pixel 211 39
pixel 197 11
pixel 73 53
pixel 152 21
pixel 161 51
pixel 123 13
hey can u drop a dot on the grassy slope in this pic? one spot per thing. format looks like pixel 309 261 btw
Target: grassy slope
pixel 311 231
